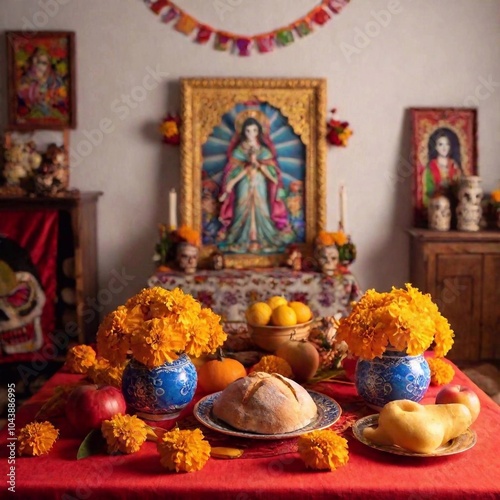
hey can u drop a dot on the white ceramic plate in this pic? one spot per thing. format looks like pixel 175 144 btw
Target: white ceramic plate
pixel 461 443
pixel 329 412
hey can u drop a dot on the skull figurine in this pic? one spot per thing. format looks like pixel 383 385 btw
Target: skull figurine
pixel 21 301
pixel 327 257
pixel 439 213
pixel 469 210
pixel 187 257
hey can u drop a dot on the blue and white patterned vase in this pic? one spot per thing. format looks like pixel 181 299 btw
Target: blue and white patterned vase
pixel 159 393
pixel 395 375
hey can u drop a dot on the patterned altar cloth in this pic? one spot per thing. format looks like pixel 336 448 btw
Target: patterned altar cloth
pixel 229 292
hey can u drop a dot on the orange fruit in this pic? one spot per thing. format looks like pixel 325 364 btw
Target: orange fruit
pixel 284 316
pixel 276 301
pixel 258 314
pixel 303 311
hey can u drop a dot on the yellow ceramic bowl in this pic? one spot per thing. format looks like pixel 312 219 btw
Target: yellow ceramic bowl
pixel 271 337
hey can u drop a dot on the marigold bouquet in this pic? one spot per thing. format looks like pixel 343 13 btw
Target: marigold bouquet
pixel 325 238
pixel 156 326
pixel 402 319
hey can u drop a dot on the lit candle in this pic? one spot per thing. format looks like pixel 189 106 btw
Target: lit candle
pixel 343 207
pixel 172 209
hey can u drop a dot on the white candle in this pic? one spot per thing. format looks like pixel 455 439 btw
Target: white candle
pixel 172 209
pixel 343 207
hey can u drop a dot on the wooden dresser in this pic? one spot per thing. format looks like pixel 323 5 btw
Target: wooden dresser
pixel 78 225
pixel 461 270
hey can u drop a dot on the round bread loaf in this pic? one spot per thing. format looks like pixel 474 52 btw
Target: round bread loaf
pixel 266 404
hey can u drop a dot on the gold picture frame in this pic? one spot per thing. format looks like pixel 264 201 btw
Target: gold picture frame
pixel 289 116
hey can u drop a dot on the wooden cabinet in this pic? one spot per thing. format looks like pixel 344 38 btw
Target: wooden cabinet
pixel 461 271
pixel 78 226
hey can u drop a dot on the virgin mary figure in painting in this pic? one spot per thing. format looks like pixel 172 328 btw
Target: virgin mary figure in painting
pixel 253 215
pixel 444 168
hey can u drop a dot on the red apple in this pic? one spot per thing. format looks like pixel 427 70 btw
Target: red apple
pixel 460 394
pixel 89 405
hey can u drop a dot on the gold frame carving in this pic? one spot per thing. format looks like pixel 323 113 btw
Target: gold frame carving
pixel 301 101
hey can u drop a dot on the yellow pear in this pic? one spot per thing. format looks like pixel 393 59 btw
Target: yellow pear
pixel 419 428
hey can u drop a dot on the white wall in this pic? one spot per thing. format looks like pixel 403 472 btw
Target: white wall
pixel 428 53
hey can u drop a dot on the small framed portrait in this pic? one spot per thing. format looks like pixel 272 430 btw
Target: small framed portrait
pixel 41 80
pixel 444 149
pixel 253 166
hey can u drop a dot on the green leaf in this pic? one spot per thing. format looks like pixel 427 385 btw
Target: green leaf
pixel 93 444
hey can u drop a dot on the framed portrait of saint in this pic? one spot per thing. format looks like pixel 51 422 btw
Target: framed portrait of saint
pixel 41 80
pixel 444 149
pixel 253 166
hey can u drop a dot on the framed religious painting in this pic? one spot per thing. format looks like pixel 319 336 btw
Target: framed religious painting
pixel 253 155
pixel 444 149
pixel 41 80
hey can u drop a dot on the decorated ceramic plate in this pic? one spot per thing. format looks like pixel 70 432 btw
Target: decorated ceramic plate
pixel 461 443
pixel 328 413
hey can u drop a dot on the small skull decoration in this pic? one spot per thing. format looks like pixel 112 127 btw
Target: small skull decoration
pixel 21 300
pixel 327 257
pixel 469 204
pixel 439 213
pixel 187 257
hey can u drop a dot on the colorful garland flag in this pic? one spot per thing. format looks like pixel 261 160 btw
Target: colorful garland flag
pixel 242 44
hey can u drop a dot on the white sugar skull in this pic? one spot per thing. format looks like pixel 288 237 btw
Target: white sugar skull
pixel 468 217
pixel 21 303
pixel 439 213
pixel 327 257
pixel 470 191
pixel 187 257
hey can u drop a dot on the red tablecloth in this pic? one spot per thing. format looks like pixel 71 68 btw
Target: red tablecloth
pixel 368 474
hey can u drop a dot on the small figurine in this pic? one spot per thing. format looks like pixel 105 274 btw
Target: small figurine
pixel 294 258
pixel 52 177
pixel 327 257
pixel 187 257
pixel 439 213
pixel 21 162
pixel 218 261
pixel 469 204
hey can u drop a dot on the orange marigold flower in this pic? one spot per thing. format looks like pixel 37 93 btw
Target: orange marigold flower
pixel 183 450
pixel 158 341
pixel 102 373
pixel 189 235
pixel 323 449
pixel 206 335
pixel 124 433
pixel 441 372
pixel 36 438
pixel 113 336
pixel 404 319
pixel 273 364
pixel 495 196
pixel 80 358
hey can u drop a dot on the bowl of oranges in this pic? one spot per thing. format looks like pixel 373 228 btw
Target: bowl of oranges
pixel 273 322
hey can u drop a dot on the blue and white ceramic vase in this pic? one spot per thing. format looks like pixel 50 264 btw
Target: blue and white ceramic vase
pixel 159 393
pixel 395 375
